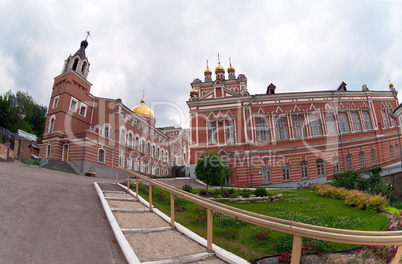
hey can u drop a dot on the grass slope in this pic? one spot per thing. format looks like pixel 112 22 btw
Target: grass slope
pixel 249 241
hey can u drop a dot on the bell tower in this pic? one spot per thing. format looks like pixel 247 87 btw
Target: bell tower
pixel 70 106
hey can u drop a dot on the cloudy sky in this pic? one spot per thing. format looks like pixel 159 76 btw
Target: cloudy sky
pixel 162 46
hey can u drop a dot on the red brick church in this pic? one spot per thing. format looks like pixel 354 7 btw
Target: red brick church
pixel 280 137
pixel 95 134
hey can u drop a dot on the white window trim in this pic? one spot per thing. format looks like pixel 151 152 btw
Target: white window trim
pixel 56 101
pixel 86 108
pixel 76 104
pixel 104 155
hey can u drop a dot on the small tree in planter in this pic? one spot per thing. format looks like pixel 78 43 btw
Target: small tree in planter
pixel 210 169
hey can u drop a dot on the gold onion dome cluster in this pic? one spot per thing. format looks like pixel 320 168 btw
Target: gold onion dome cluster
pixel 143 110
pixel 194 91
pixel 207 70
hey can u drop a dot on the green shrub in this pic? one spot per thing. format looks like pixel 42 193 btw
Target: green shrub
pixel 217 192
pixel 188 188
pixel 397 205
pixel 246 192
pixel 260 191
pixel 346 179
pixel 202 192
pixel 234 195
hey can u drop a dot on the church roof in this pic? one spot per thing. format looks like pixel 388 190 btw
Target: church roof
pixel 81 51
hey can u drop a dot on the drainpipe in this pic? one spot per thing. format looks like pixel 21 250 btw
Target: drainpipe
pixel 249 142
pixel 340 132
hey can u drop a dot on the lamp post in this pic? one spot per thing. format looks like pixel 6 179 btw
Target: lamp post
pixel 399 137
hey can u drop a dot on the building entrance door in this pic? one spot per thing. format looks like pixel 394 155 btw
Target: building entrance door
pixel 65 153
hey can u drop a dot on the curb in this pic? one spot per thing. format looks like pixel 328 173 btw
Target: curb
pixel 219 252
pixel 128 252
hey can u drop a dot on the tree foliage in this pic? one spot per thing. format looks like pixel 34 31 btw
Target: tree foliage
pixel 20 111
pixel 210 169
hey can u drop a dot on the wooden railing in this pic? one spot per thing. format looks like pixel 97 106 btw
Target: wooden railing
pixel 299 230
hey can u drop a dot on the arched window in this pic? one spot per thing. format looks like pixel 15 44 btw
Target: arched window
pixel 281 128
pixel 397 151
pixel 384 118
pixel 315 126
pixel 298 127
pixel 229 133
pixel 356 122
pixel 367 121
pixel 330 123
pixel 153 151
pixel 101 155
pixel 75 64
pixel 142 146
pixel 83 67
pixel 130 140
pixel 106 132
pixel 136 141
pixel 157 153
pixel 148 149
pixel 51 125
pixel 122 136
pixel 391 152
pixel 48 151
pixel 262 128
pixel 212 133
pixel 344 123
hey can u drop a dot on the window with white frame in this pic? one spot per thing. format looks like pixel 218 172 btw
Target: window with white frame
pixel 136 142
pixel 48 151
pixel 129 163
pixel 335 164
pixel 356 122
pixel 397 151
pixel 320 167
pixel 367 121
pixel 349 161
pixel 73 104
pixel 148 169
pixel 212 133
pixel 136 165
pixel 157 153
pixel 266 174
pixel 385 118
pixel 157 171
pixel 229 133
pixel 83 110
pixel 315 125
pixel 304 169
pixel 153 152
pixel 298 127
pixel 55 102
pixel 153 170
pixel 373 158
pixel 331 125
pixel 262 128
pixel 121 161
pixel 142 167
pixel 122 136
pixel 362 159
pixel 344 123
pixel 51 124
pixel 393 122
pixel 130 140
pixel 148 149
pixel 286 172
pixel 391 152
pixel 281 128
pixel 101 155
pixel 106 131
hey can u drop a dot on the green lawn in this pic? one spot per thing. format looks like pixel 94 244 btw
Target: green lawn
pixel 301 205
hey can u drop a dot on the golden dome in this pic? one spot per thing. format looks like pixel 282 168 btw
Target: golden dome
pixel 207 70
pixel 391 84
pixel 219 68
pixel 194 91
pixel 143 110
pixel 230 68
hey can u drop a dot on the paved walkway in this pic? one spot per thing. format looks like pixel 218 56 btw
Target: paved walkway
pixel 52 217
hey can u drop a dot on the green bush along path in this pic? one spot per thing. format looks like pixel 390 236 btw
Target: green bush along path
pixel 250 241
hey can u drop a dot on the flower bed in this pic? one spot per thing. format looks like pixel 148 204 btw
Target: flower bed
pixel 251 198
pixel 354 198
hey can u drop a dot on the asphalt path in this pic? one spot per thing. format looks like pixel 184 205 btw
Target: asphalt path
pixel 52 217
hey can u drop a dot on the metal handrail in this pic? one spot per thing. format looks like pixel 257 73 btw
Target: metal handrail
pixel 299 230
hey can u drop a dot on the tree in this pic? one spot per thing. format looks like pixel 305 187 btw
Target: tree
pixel 20 111
pixel 210 169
